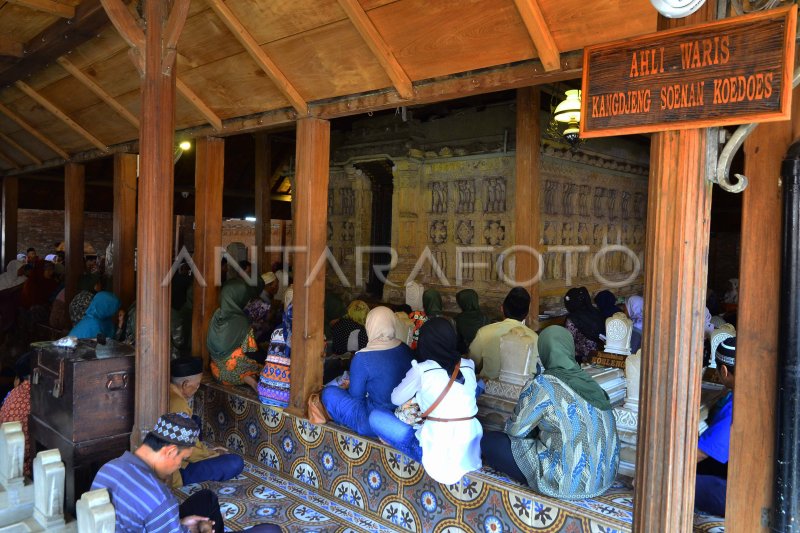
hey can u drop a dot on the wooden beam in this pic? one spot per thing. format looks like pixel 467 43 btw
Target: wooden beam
pixel 33 131
pixel 263 163
pixel 8 220
pixel 527 225
pixel 50 7
pixel 56 40
pixel 198 104
pixel 8 160
pixel 47 104
pixel 126 25
pixel 259 56
pixel 10 47
pixel 172 32
pixel 74 200
pixel 752 447
pixel 310 223
pixel 90 84
pixel 524 74
pixel 124 227
pixel 542 38
pixel 385 56
pixel 14 144
pixel 209 179
pixel 154 227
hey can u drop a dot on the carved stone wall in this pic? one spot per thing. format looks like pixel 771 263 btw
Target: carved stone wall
pixel 453 208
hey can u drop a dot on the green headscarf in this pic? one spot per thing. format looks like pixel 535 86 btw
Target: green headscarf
pixel 357 312
pixel 470 320
pixel 557 354
pixel 229 325
pixel 334 310
pixel 432 303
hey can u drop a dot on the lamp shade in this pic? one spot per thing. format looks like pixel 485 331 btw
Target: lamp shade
pixel 570 109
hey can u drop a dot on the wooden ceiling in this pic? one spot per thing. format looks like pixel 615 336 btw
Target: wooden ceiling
pixel 69 88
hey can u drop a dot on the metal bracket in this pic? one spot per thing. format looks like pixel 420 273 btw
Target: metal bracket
pixel 721 176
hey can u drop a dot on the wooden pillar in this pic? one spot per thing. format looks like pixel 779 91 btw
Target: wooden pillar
pixel 527 225
pixel 8 225
pixel 263 164
pixel 310 231
pixel 676 265
pixel 74 198
pixel 154 227
pixel 752 449
pixel 124 227
pixel 209 172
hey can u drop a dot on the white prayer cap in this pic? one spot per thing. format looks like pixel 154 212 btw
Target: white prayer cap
pixel 268 277
pixel 50 257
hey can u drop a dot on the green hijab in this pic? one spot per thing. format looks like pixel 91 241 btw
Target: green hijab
pixel 557 354
pixel 229 325
pixel 432 303
pixel 471 319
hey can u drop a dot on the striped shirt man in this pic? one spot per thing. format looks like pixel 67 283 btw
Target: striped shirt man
pixel 141 501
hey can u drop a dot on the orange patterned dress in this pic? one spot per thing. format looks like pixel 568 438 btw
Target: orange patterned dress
pixel 237 365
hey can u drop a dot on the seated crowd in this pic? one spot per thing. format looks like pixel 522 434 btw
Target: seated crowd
pixel 410 376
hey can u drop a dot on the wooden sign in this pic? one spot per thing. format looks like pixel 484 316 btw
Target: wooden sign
pixel 731 71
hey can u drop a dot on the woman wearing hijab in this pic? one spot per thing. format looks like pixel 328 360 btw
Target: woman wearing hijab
pixel 100 317
pixel 431 308
pixel 230 338
pixel 606 302
pixel 374 372
pixel 448 443
pixel 562 438
pixel 470 320
pixel 634 307
pixel 584 322
pixel 274 383
pixel 348 333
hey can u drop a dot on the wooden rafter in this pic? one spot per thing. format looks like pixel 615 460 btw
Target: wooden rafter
pixel 7 159
pixel 56 40
pixel 90 84
pixel 375 41
pixel 259 56
pixel 50 7
pixel 33 131
pixel 10 47
pixel 14 144
pixel 123 21
pixel 198 104
pixel 540 33
pixel 47 104
pixel 172 32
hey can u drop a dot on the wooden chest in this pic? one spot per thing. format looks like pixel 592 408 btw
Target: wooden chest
pixel 83 393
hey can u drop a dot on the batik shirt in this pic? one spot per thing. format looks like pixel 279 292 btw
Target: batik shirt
pixel 575 453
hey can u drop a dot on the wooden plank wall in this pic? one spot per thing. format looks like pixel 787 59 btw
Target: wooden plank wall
pixel 751 467
pixel 310 223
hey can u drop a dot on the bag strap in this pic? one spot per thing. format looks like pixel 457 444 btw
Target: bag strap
pixel 438 400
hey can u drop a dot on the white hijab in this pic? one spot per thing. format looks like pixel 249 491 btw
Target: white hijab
pixel 10 279
pixel 380 330
pixel 635 306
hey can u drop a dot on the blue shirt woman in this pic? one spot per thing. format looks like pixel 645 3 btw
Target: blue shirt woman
pixel 374 373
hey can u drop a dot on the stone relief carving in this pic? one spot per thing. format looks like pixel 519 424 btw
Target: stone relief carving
pixel 611 204
pixel 348 202
pixel 494 232
pixel 549 232
pixel 465 232
pixel 638 205
pixel 348 231
pixel 626 205
pixel 438 197
pixel 331 201
pixel 495 201
pixel 583 201
pixel 568 199
pixel 638 234
pixel 466 196
pixel 330 230
pixel 597 201
pixel 438 231
pixel 550 193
